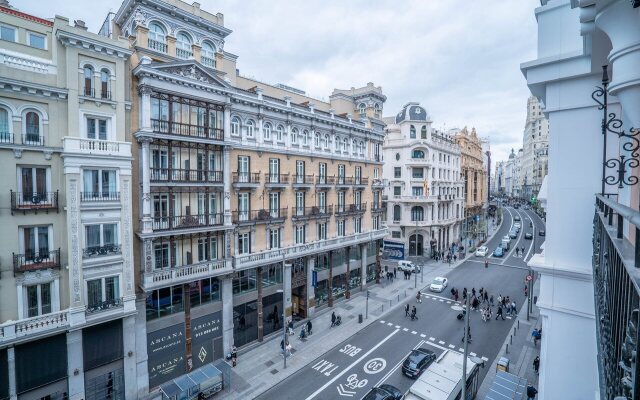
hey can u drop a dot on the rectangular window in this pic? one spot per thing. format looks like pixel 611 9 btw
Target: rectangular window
pixel 397 172
pixel 274 204
pixel 103 292
pixel 357 225
pixel 341 227
pixel 322 173
pixel 417 173
pixel 274 238
pixel 100 239
pixel 358 173
pixel 274 170
pixel 37 41
pixel 300 234
pixel 417 191
pixel 376 222
pixel 322 201
pixel 161 253
pixel 243 206
pixel 38 299
pixel 244 243
pixel 35 243
pixel 203 249
pixel 397 190
pixel 322 230
pixel 300 171
pixel 33 183
pixel 376 173
pixel 299 203
pixel 395 235
pixel 341 201
pixel 97 128
pixel 243 169
pixel 8 33
pixel 97 182
pixel 341 174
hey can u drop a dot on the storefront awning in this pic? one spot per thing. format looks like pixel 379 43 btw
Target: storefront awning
pixel 507 386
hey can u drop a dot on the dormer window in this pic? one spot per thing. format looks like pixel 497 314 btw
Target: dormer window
pixel 362 108
pixel 157 37
pixel 376 110
pixel 417 154
pixel 183 46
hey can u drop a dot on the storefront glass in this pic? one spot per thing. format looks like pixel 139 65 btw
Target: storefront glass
pixel 107 386
pixel 204 291
pixel 322 262
pixel 339 286
pixel 322 292
pixel 245 323
pixel 371 272
pixel 271 275
pixel 245 282
pixel 272 312
pixel 354 281
pixel 165 301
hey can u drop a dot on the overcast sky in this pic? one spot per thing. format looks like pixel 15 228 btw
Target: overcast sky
pixel 458 58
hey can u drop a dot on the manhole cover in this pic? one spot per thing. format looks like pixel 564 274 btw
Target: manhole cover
pixel 269 363
pixel 274 371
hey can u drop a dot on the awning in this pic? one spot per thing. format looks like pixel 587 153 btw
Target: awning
pixel 507 386
pixel 204 379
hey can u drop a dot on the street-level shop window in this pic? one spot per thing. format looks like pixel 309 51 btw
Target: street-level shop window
pixel 204 291
pixel 165 301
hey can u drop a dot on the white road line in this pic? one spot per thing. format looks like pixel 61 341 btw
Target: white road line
pixel 484 358
pixel 344 371
pixel 472 354
pixel 423 335
pixel 397 326
pixel 414 332
pixel 382 322
pixel 390 324
pixel 432 339
pixel 452 346
pixel 395 367
pixel 405 329
pixel 461 350
pixel 433 298
pixel 448 302
pixel 441 342
pixel 439 347
pixel 441 300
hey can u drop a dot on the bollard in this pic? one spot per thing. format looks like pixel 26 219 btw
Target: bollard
pixel 507 350
pixel 382 308
pixel 398 298
pixel 518 324
pixel 511 339
pixel 514 330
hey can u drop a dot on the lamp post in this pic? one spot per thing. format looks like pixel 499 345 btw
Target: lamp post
pixel 466 349
pixel 284 326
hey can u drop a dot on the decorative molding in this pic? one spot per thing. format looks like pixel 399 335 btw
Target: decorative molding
pixel 110 48
pixel 74 236
pixel 47 154
pixel 147 255
pixel 126 237
pixel 32 88
pixel 17 153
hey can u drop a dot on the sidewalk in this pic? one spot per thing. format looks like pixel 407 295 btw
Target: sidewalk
pixel 260 367
pixel 520 347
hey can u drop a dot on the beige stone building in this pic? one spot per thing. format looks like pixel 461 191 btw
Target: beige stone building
pixel 474 175
pixel 251 199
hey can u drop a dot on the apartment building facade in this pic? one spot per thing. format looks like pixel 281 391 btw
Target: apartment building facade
pixel 66 251
pixel 424 189
pixel 535 146
pixel 256 200
pixel 474 175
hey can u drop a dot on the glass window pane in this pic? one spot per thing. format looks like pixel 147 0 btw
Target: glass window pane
pixel 91 128
pixel 111 288
pixel 45 298
pixel 32 301
pixel 109 232
pixel 36 41
pixel 43 241
pixel 93 235
pixel 7 33
pixel 102 129
pixel 94 292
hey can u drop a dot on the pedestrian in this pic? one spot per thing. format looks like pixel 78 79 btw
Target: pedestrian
pixel 486 297
pixel 309 326
pixel 455 258
pixel 481 292
pixel 395 273
pixel 499 314
pixel 517 251
pixel 414 310
pixel 499 299
pixel 514 310
pixel 419 297
pixel 464 294
pixel 486 263
pixel 522 251
pixel 455 295
pixel 333 318
pixel 406 310
pixel 536 364
pixel 526 291
pixel 473 292
pixel 531 392
pixel 475 303
pixel 453 292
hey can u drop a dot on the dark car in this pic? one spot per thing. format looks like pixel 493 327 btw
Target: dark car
pixel 528 235
pixel 498 252
pixel 417 362
pixel 384 392
pixel 542 233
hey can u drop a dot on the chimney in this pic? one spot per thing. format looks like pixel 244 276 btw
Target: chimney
pixel 78 23
pixel 5 3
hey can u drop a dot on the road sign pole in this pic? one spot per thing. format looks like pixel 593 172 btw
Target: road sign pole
pixel 416 285
pixel 366 314
pixel 466 349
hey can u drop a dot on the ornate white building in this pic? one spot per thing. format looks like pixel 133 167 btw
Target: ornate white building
pixel 535 145
pixel 424 189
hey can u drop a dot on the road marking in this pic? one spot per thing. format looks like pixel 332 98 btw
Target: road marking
pixel 439 347
pixel 405 329
pixel 449 302
pixel 390 324
pixel 414 332
pixel 441 342
pixel 432 339
pixel 374 365
pixel 397 326
pixel 434 298
pixel 461 350
pixel 382 322
pixel 484 358
pixel 452 346
pixel 335 378
pixel 441 300
pixel 472 354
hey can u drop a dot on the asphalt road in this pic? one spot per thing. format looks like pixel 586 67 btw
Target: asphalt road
pixel 374 355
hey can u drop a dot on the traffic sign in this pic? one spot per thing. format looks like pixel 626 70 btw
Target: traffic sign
pixel 529 277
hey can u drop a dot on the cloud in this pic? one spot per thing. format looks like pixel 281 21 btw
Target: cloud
pixel 459 58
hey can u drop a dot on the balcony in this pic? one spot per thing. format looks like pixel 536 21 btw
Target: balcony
pixel 258 216
pixel 99 197
pixel 360 182
pixel 302 181
pixel 52 322
pixel 30 201
pixel 84 146
pixel 32 261
pixel 105 306
pixel 325 181
pixel 186 130
pixel 300 250
pixel 208 62
pixel 101 251
pixel 185 273
pixel 163 175
pixel 32 139
pixel 187 221
pixel 350 209
pixel 300 213
pixel 6 137
pixel 276 180
pixel 157 46
pixel 184 54
pixel 377 208
pixel 344 181
pixel 377 183
pixel 246 180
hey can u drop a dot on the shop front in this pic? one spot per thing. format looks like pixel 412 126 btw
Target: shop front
pixel 41 369
pixel 103 365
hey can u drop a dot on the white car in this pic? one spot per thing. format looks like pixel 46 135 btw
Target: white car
pixel 482 251
pixel 517 225
pixel 408 266
pixel 438 284
pixel 506 237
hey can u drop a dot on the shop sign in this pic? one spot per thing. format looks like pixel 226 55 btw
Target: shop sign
pixel 166 351
pixel 203 332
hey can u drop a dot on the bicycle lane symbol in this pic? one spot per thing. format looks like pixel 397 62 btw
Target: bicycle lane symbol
pixel 353 383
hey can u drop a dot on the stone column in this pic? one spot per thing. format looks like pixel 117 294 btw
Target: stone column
pixel 74 251
pixel 146 186
pixel 145 108
pixel 227 314
pixel 171 46
pixel 196 50
pixel 11 361
pixel 226 167
pixel 347 255
pixel 311 293
pixel 363 265
pixel 259 304
pixel 330 282
pixel 75 365
pixel 227 120
pixel 140 351
pixel 129 345
pixel 286 286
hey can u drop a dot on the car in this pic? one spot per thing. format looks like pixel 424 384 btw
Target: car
pixel 513 234
pixel 438 284
pixel 528 236
pixel 482 251
pixel 408 266
pixel 517 225
pixel 417 361
pixel 384 392
pixel 507 238
pixel 516 218
pixel 542 233
pixel 498 252
pixel 516 206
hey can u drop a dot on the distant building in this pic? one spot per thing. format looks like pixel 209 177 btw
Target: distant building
pixel 474 175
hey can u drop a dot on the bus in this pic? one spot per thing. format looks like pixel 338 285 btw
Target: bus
pixel 443 379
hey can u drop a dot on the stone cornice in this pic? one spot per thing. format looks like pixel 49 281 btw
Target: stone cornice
pixel 84 42
pixel 32 88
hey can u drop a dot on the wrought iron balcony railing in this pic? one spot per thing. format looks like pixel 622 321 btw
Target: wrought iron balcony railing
pixel 311 212
pixel 187 221
pixel 185 175
pixel 345 209
pixel 34 260
pixel 246 177
pixel 276 179
pixel 325 180
pixel 177 128
pixel 93 197
pixel 100 251
pixel 105 305
pixel 258 216
pixel 33 201
pixel 616 280
pixel 302 180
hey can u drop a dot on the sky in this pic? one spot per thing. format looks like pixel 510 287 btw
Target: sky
pixel 459 58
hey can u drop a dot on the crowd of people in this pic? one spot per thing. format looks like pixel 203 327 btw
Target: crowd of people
pixel 484 303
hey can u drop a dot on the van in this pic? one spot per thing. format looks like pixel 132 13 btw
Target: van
pixel 404 265
pixel 505 244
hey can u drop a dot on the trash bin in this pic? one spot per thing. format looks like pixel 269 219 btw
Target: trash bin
pixel 359 318
pixel 503 364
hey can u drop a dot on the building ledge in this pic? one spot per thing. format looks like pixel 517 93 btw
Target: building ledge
pixel 538 264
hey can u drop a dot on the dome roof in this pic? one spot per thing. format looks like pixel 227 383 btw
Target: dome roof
pixel 512 155
pixel 412 112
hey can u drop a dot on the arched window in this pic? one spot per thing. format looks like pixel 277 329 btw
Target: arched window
pixel 345 145
pixel 266 131
pixel 417 213
pixel 5 127
pixel 361 148
pixel 32 129
pixel 104 84
pixel 362 108
pixel 412 132
pixel 305 138
pixel 235 126
pixel 327 141
pixel 396 213
pixel 183 46
pixel 88 81
pixel 376 110
pixel 157 37
pixel 417 154
pixel 280 133
pixel 208 55
pixel 294 135
pixel 423 132
pixel 338 143
pixel 354 147
pixel 250 125
pixel 317 139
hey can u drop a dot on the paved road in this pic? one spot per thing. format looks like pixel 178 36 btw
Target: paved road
pixel 374 355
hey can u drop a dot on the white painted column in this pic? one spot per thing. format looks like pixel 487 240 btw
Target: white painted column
pixel 129 294
pixel 311 293
pixel 75 365
pixel 286 285
pixel 227 315
pixel 11 361
pixel 145 108
pixel 363 265
pixel 129 345
pixel 140 351
pixel 74 251
pixel 226 167
pixel 227 120
pixel 146 186
pixel 260 138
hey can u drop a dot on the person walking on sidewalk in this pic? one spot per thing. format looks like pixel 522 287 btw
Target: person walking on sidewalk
pixel 406 310
pixel 309 326
pixel 491 300
pixel 395 273
pixel 517 252
pixel 514 310
pixel 419 297
pixel 526 290
pixel 531 392
pixel 536 364
pixel 499 315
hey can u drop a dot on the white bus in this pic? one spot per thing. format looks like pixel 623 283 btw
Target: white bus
pixel 443 379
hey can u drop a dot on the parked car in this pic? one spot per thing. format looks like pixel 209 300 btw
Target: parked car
pixel 542 233
pixel 384 392
pixel 516 218
pixel 517 225
pixel 528 236
pixel 482 251
pixel 507 238
pixel 417 361
pixel 498 252
pixel 408 266
pixel 438 284
pixel 513 234
pixel 505 244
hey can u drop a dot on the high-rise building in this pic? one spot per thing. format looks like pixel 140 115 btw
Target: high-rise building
pixel 252 200
pixel 67 247
pixel 535 144
pixel 424 188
